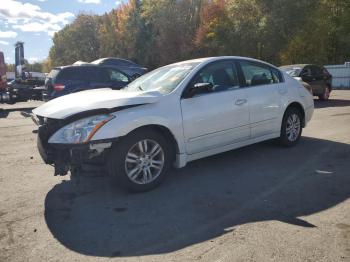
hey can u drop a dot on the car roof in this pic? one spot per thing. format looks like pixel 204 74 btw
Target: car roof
pixel 86 66
pixel 298 66
pixel 101 60
pixel 218 58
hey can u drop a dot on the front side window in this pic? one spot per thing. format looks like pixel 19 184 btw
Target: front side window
pixel 256 74
pixel 221 75
pixel 306 71
pixel 293 71
pixel 116 76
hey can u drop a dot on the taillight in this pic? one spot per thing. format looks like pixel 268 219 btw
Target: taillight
pixel 58 87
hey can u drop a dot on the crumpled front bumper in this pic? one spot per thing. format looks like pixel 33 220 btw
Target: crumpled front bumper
pixel 66 156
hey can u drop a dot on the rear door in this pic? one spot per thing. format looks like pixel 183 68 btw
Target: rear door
pixel 69 80
pixel 265 92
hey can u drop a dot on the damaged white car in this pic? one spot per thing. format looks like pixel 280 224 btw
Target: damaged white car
pixel 171 116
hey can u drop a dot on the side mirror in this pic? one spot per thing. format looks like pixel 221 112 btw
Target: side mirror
pixel 200 88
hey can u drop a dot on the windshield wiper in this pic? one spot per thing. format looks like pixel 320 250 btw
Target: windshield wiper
pixel 139 87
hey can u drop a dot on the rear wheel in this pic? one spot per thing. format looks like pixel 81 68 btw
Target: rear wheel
pixel 140 161
pixel 326 94
pixel 291 127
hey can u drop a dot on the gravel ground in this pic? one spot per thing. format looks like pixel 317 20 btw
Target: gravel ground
pixel 258 203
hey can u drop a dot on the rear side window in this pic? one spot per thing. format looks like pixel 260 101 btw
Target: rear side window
pixel 257 74
pixel 78 74
pixel 276 75
pixel 69 74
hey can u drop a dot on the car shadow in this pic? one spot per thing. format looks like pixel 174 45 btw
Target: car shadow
pixel 202 201
pixel 24 111
pixel 331 103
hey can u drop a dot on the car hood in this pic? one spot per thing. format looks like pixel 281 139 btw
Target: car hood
pixel 65 106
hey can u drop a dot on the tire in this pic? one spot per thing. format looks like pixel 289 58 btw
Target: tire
pixel 326 94
pixel 125 157
pixel 291 117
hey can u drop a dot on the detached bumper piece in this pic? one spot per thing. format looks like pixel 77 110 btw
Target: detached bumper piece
pixel 66 157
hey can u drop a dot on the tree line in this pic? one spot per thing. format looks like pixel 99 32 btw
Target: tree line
pixel 154 33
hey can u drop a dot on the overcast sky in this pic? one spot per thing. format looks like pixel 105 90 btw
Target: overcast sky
pixel 35 21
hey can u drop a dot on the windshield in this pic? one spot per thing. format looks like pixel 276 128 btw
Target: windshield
pixel 292 71
pixel 164 79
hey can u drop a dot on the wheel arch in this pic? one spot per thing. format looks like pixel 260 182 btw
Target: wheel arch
pixel 299 107
pixel 165 131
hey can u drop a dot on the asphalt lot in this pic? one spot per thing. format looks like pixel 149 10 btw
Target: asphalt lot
pixel 258 203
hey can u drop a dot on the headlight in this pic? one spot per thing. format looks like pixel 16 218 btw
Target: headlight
pixel 80 131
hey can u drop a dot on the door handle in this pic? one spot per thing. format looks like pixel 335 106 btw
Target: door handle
pixel 240 102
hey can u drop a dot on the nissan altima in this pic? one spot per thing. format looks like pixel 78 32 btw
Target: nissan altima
pixel 171 116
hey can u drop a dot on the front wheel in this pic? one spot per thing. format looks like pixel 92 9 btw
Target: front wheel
pixel 139 162
pixel 291 127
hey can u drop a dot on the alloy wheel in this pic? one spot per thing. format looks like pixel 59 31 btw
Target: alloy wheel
pixel 293 127
pixel 144 161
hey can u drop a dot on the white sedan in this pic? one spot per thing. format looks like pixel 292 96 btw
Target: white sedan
pixel 171 116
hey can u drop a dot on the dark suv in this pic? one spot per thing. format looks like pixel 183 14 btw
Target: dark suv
pixel 317 77
pixel 69 79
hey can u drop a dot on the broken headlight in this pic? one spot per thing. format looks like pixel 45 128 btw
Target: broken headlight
pixel 80 131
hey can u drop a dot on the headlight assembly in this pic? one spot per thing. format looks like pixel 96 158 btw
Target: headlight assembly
pixel 80 131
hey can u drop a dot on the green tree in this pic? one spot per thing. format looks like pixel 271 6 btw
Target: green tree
pixel 76 41
pixel 324 38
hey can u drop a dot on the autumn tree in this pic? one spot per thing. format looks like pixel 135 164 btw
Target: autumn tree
pixel 154 33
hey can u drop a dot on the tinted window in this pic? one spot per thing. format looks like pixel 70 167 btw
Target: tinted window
pixel 222 75
pixel 79 74
pixel 65 74
pixel 316 71
pixel 306 71
pixel 116 76
pixel 257 74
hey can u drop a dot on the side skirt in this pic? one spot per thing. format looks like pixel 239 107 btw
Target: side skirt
pixel 183 159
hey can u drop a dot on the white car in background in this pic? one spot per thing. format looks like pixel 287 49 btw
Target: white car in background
pixel 171 116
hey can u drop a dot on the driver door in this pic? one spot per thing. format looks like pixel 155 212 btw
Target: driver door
pixel 218 116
